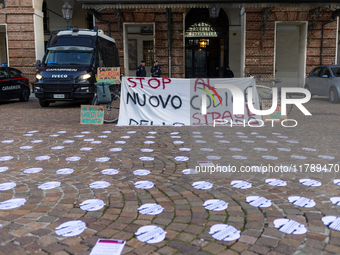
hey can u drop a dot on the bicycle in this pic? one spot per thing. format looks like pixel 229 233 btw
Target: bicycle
pixel 266 92
pixel 111 107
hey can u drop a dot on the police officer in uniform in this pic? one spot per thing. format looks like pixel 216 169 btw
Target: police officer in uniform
pixel 141 72
pixel 156 70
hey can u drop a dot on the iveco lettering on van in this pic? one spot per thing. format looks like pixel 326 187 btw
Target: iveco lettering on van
pixel 68 69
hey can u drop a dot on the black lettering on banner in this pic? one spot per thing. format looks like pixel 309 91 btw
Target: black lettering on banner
pixel 144 98
pixel 173 102
pixel 151 101
pixel 132 120
pixel 226 98
pixel 144 121
pixel 167 101
pixel 135 98
pixel 192 99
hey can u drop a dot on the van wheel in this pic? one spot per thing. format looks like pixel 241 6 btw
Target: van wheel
pixel 25 95
pixel 333 96
pixel 44 103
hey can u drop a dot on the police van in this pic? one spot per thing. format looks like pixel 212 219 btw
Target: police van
pixel 68 69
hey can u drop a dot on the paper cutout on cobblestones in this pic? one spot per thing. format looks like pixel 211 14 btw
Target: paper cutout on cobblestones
pixel 54 135
pixel 276 134
pixel 284 149
pixel 308 149
pixel 116 149
pixel 146 158
pixel 85 132
pixel 7 141
pixel 240 157
pixel 242 136
pixel 207 149
pixel 247 141
pixel 215 205
pixel 200 141
pixel 96 142
pixel 223 141
pixel 144 184
pixel 152 132
pixel 131 132
pixel 62 132
pixel 12 203
pixel 91 205
pixel 27 135
pixel 6 158
pixel 109 132
pixel 150 137
pixel 65 171
pixel 146 150
pixel 125 137
pixel 68 141
pixel 99 185
pixel 174 133
pixel 181 158
pixel 326 157
pixel 57 148
pixel 184 149
pixel 260 149
pixel 176 137
pixel 196 133
pixel 261 136
pixel 336 181
pixel 150 234
pixel 310 182
pixel 149 142
pixel 7 186
pixel 37 141
pixel 197 136
pixel 33 131
pixel 150 209
pixel 102 159
pixel 72 159
pixel 110 171
pixel 276 182
pixel 282 137
pixel 218 133
pixel 271 141
pixel 104 136
pixel 235 149
pixel 292 141
pixel 85 149
pixel 219 136
pixel 239 184
pixel 71 228
pixel 3 169
pixel 302 201
pixel 202 185
pixel 40 158
pixel 33 170
pixel 26 147
pixel 88 139
pixel 240 133
pixel 212 157
pixel 335 200
pixel 79 136
pixel 190 171
pixel 224 232
pixel 290 226
pixel 177 142
pixel 141 172
pixel 333 222
pixel 268 157
pixel 298 157
pixel 49 185
pixel 254 133
pixel 258 201
pixel 205 163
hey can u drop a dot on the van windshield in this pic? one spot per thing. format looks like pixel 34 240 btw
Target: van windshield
pixel 68 57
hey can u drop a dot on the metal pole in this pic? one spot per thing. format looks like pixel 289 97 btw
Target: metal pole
pixel 169 38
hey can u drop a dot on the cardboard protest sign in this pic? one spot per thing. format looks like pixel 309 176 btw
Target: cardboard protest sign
pixel 91 114
pixel 108 74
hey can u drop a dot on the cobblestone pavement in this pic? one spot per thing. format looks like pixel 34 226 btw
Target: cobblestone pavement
pixel 31 227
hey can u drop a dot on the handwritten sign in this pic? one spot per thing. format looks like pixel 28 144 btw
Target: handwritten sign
pixel 108 74
pixel 91 114
pixel 267 104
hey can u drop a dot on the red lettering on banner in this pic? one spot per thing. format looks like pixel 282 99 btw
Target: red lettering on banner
pixel 248 111
pixel 154 79
pixel 134 83
pixel 201 83
pixel 141 81
pixel 165 81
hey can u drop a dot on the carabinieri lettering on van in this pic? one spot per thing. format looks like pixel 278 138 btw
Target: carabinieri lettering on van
pixel 11 87
pixel 61 70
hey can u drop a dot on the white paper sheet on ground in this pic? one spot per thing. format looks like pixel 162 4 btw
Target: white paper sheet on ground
pixel 108 247
pixel 96 142
pixel 72 159
pixel 310 182
pixel 150 234
pixel 290 226
pixel 88 140
pixel 261 136
pixel 235 149
pixel 218 133
pixel 190 171
pixel 116 149
pixel 7 186
pixel 152 132
pixel 49 185
pixel 141 172
pixel 26 147
pixel 276 134
pixel 146 158
pixel 240 133
pixel 202 185
pixel 292 141
pixel 302 201
pixel 68 141
pixel 196 133
pixel 6 158
pixel 326 157
pixel 37 141
pixel 260 149
pixel 99 185
pixel 219 136
pixel 54 135
pixel 200 141
pixel 207 149
pixel 144 184
pixel 284 149
pixel 308 149
pixel 247 141
pixel 213 157
pixel 335 200
pixel 102 159
pixel 224 232
pixel 57 148
pixel 174 133
pixel 242 136
pixel 146 150
pixel 125 137
pixel 92 205
pixel 71 228
pixel 298 157
pixel 110 171
pixel 150 137
pixel 150 209
pixel 276 182
pixel 176 137
pixel 62 132
pixel 40 158
pixel 197 136
pixel 282 137
pixel 215 205
pixel 85 149
pixel 85 132
pixel 205 163
pixel 33 170
pixel 271 141
pixel 336 181
pixel 7 141
pixel 12 203
pixel 27 135
pixel 33 131
pixel 107 132
pixel 65 171
pixel 258 201
pixel 239 184
pixel 332 222
pixel 177 142
pixel 239 157
pixel 104 136
pixel 254 133
pixel 181 158
pixel 149 142
pixel 184 149
pixel 3 169
pixel 223 141
pixel 79 136
pixel 131 132
pixel 268 157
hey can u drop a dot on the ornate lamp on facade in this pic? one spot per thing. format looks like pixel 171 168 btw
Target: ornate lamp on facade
pixel 67 10
pixel 214 12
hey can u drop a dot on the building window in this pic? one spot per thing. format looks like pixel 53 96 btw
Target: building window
pixel 148 53
pixel 46 18
pixel 89 21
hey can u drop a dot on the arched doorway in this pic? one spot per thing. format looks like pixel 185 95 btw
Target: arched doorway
pixel 206 43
